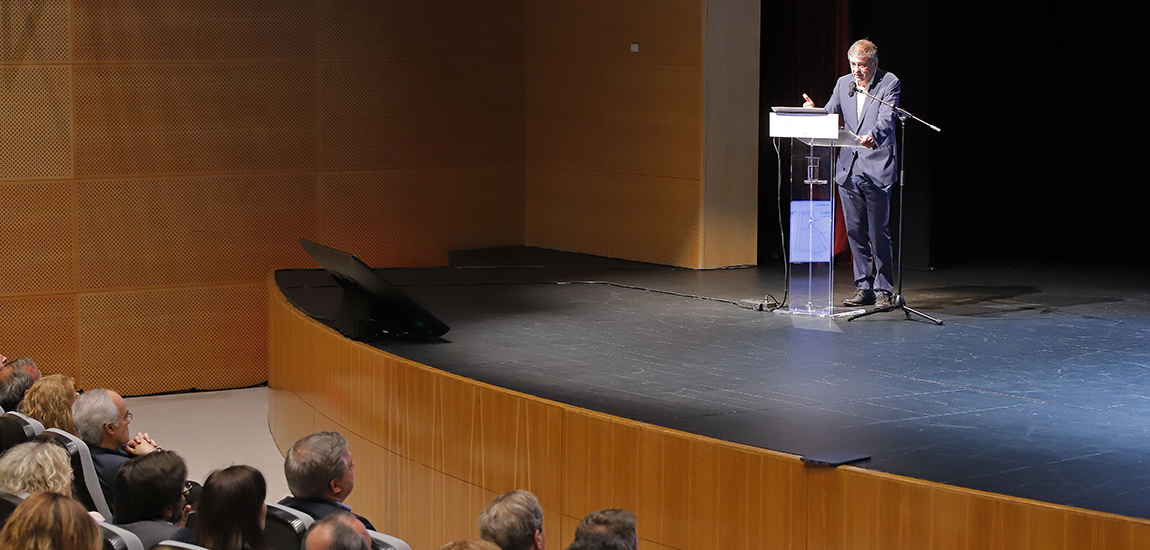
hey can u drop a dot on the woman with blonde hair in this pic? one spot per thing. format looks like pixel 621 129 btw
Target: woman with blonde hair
pixel 36 466
pixel 50 521
pixel 50 400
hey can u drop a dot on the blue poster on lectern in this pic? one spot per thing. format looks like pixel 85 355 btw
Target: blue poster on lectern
pixel 812 231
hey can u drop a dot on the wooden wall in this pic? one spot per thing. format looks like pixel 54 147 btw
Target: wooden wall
pixel 158 158
pixel 615 137
pixel 431 449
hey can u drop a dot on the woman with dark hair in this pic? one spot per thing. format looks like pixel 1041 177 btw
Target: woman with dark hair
pixel 151 498
pixel 231 510
pixel 50 521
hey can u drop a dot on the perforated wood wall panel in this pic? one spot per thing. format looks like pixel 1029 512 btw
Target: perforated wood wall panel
pixel 169 153
pixel 642 218
pixel 631 121
pixel 36 237
pixel 35 126
pixel 602 31
pixel 568 115
pixel 162 340
pixel 371 212
pixel 569 209
pixel 654 219
pixel 408 115
pixel 569 31
pixel 443 30
pixel 177 119
pixel 43 328
pixel 656 121
pixel 193 230
pixel 34 31
pixel 668 31
pixel 194 30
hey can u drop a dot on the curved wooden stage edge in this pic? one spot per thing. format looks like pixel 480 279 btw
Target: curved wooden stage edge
pixel 432 448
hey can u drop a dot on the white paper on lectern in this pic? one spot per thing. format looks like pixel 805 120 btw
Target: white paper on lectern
pixel 804 125
pixel 812 231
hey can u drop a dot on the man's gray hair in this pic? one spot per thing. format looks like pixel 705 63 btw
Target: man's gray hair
pixel 21 363
pixel 313 462
pixel 12 392
pixel 342 535
pixel 511 520
pixel 91 411
pixel 615 521
pixel 863 49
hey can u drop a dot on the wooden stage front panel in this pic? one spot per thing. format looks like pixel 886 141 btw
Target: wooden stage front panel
pixel 432 448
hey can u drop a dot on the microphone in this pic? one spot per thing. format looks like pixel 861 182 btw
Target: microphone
pixel 852 89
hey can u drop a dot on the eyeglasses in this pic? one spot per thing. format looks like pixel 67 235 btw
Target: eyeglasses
pixel 128 417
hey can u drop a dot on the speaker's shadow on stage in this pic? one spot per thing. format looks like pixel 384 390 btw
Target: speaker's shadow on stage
pixel 981 300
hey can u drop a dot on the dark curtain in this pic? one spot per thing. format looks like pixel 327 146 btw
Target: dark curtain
pixel 804 48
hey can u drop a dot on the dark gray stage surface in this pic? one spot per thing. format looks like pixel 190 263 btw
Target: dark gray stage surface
pixel 1036 386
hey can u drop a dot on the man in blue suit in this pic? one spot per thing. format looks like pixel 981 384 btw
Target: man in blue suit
pixel 865 174
pixel 320 475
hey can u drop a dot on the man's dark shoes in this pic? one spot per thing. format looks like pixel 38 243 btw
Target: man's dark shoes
pixel 883 300
pixel 861 298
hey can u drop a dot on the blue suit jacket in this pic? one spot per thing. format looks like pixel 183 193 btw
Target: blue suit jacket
pixel 319 508
pixel 878 121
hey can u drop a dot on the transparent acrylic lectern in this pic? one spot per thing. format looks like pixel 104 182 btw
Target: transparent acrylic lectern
pixel 814 137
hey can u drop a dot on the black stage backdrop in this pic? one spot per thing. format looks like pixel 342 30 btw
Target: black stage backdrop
pixel 1039 158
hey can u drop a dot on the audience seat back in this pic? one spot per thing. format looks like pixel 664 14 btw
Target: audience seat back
pixel 177 545
pixel 116 538
pixel 284 527
pixel 87 485
pixel 8 504
pixel 380 541
pixel 16 428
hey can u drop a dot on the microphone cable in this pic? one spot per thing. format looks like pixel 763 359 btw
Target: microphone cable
pixel 782 232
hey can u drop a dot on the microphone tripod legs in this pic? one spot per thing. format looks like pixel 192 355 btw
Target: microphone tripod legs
pixel 896 302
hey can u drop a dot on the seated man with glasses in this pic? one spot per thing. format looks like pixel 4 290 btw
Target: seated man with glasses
pixel 152 498
pixel 102 420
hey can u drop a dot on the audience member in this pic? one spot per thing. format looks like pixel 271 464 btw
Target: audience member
pixel 472 544
pixel 50 521
pixel 23 364
pixel 50 401
pixel 598 541
pixel 15 379
pixel 151 498
pixel 341 531
pixel 36 466
pixel 12 391
pixel 615 521
pixel 320 474
pixel 231 510
pixel 513 521
pixel 102 420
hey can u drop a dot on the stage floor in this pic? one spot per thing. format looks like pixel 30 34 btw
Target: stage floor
pixel 1035 387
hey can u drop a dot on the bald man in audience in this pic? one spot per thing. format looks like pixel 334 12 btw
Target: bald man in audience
pixel 342 531
pixel 513 521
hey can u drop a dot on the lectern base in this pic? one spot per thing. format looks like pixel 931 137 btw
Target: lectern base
pixel 822 311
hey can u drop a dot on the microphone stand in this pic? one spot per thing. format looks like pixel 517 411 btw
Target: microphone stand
pixel 898 301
